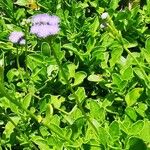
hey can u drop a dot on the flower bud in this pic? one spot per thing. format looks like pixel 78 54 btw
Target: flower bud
pixel 104 15
pixel 103 25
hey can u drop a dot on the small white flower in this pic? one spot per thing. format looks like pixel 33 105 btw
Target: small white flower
pixel 104 15
pixel 103 25
pixel 25 22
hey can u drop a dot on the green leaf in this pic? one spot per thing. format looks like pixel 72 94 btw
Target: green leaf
pixel 135 143
pixel 57 130
pixel 148 7
pixel 76 127
pixel 130 44
pixel 81 94
pixel 74 114
pixel 12 74
pixel 103 136
pixel 90 44
pixel 9 128
pixel 93 3
pixel 114 4
pixel 138 72
pixel 10 4
pixel 96 111
pixel 55 142
pixel 116 79
pixel 21 2
pixel 127 74
pixel 70 47
pixel 52 69
pixel 132 97
pixel 141 108
pixel 27 100
pixel 126 124
pixel 131 113
pixel 43 130
pixel 56 101
pixel 45 49
pixel 99 53
pixel 114 130
pixel 36 57
pixel 42 143
pixel 33 60
pixel 79 77
pixel 145 132
pixel 49 110
pixel 20 14
pixel 71 68
pixel 115 55
pixel 50 118
pixel 94 26
pixel 107 40
pixel 146 54
pixel 95 78
pixel 136 127
pixel 147 44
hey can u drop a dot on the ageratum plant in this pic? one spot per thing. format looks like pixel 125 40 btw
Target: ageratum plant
pixel 74 75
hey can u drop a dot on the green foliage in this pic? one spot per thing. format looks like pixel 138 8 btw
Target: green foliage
pixel 87 88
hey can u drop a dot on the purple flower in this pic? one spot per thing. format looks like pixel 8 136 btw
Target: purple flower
pixel 34 29
pixel 54 30
pixel 53 20
pixel 16 37
pixel 44 25
pixel 43 31
pixel 45 19
pixel 22 42
pixel 40 18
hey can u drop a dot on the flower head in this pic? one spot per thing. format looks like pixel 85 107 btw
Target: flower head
pixel 22 42
pixel 53 20
pixel 45 19
pixel 16 37
pixel 40 18
pixel 104 15
pixel 44 25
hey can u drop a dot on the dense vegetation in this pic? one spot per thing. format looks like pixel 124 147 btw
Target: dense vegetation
pixel 75 74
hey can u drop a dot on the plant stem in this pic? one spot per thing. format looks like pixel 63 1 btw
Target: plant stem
pixel 142 70
pixel 72 91
pixel 14 100
pixel 19 131
pixel 26 45
pixel 2 68
pixel 18 65
pixel 17 58
pixel 121 41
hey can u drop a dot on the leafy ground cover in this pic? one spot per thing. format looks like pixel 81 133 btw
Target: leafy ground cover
pixel 74 74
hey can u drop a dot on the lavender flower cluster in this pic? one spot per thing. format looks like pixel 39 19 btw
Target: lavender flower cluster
pixel 17 37
pixel 43 25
